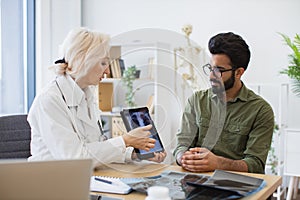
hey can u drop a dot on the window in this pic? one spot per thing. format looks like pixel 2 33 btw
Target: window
pixel 17 66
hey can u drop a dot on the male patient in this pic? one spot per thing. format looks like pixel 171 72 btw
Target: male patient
pixel 227 126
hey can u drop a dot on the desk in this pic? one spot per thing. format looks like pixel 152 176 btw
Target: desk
pixel 149 169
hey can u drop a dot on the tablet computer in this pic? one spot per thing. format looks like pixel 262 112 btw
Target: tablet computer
pixel 137 117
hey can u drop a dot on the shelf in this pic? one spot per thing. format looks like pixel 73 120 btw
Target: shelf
pixel 155 61
pixel 110 114
pixel 111 80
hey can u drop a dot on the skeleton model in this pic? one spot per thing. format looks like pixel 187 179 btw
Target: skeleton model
pixel 187 62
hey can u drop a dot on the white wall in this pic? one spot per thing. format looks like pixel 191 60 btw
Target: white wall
pixel 258 21
pixel 54 19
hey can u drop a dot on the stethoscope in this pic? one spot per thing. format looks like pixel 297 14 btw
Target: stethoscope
pixel 102 135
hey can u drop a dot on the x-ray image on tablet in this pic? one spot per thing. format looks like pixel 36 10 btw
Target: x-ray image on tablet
pixel 137 117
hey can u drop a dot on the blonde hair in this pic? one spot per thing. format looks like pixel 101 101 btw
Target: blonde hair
pixel 81 50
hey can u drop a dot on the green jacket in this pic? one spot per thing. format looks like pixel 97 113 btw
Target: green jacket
pixel 240 129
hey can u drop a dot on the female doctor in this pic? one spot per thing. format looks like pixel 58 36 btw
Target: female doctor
pixel 63 117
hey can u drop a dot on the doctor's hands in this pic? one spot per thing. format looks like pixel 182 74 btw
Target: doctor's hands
pixel 199 160
pixel 158 157
pixel 139 138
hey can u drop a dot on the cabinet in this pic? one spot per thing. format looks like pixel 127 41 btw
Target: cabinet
pixel 118 127
pixel 292 152
pixel 147 58
pixel 292 160
pixel 105 92
pixel 279 102
pixel 111 91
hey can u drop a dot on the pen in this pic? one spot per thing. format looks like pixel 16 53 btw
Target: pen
pixel 102 136
pixel 100 127
pixel 103 180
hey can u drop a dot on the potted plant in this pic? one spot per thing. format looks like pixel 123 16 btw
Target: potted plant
pixel 272 159
pixel 293 69
pixel 128 77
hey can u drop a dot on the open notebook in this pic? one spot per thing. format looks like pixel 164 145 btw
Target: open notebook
pixel 109 185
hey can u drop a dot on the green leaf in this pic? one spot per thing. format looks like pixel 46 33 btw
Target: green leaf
pixel 296 87
pixel 127 80
pixel 293 69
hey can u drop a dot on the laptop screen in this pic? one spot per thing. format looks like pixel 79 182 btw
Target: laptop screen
pixel 59 179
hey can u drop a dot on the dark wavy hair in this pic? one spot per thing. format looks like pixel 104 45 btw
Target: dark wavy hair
pixel 232 45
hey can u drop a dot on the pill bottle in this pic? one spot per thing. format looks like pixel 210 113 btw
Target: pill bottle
pixel 158 193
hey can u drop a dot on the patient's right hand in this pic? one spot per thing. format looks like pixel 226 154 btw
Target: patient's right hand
pixel 139 138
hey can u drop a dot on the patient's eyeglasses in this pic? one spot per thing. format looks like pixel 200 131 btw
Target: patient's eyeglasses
pixel 217 71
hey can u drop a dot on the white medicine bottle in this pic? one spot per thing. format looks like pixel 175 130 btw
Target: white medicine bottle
pixel 158 193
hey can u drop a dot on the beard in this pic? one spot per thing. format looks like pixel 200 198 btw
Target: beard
pixel 222 87
pixel 230 82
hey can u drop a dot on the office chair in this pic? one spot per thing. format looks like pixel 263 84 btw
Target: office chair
pixel 15 136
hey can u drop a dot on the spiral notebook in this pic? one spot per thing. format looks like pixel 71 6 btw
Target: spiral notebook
pixel 109 185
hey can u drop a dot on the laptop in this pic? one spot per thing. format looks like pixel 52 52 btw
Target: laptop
pixel 47 180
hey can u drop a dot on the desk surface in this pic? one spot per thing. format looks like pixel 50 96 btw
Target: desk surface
pixel 149 169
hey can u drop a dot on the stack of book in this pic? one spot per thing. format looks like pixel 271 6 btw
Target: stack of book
pixel 117 68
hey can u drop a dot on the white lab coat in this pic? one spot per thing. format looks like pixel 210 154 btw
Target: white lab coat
pixel 68 129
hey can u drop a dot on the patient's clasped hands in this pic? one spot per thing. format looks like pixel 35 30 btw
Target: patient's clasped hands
pixel 199 160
